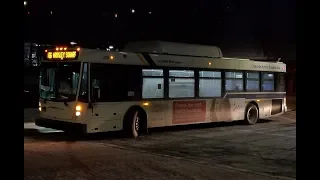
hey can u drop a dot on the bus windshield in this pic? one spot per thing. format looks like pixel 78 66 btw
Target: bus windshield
pixel 59 81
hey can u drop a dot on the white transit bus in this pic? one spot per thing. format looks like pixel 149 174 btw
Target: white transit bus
pixel 154 84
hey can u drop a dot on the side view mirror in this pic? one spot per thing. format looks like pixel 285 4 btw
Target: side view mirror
pixel 95 94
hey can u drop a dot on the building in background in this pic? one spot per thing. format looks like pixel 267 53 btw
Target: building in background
pixel 33 53
pixel 32 57
pixel 30 54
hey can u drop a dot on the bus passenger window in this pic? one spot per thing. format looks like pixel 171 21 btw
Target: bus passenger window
pixel 152 86
pixel 267 82
pixel 116 82
pixel 234 81
pixel 209 84
pixel 253 81
pixel 181 83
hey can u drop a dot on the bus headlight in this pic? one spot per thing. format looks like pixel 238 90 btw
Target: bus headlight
pixel 78 109
pixel 39 106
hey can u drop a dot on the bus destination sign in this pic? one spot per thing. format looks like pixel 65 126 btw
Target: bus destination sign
pixel 62 55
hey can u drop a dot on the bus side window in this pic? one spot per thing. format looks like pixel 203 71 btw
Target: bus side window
pixel 209 84
pixel 267 82
pixel 181 83
pixel 280 82
pixel 152 86
pixel 252 81
pixel 116 82
pixel 234 81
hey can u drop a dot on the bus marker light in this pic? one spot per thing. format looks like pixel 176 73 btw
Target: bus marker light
pixel 258 100
pixel 111 57
pixel 145 104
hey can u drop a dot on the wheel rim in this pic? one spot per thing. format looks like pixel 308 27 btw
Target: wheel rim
pixel 252 115
pixel 137 123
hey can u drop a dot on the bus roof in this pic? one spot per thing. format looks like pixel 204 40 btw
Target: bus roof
pixel 175 58
pixel 173 48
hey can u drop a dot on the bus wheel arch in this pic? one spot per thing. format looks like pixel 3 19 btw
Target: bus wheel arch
pixel 251 115
pixel 135 121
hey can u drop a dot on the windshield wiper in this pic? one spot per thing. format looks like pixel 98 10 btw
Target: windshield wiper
pixel 65 99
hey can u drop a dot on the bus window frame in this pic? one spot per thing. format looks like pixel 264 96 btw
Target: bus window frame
pixel 80 83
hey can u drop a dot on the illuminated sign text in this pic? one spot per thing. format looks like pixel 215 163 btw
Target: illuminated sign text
pixel 62 55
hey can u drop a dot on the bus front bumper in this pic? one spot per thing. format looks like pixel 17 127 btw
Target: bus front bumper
pixel 61 125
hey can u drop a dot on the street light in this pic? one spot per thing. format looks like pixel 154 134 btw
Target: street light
pixel 25 3
pixel 132 10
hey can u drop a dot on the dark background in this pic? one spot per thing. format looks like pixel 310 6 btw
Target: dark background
pixel 229 24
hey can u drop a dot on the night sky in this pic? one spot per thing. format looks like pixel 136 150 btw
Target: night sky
pixel 269 24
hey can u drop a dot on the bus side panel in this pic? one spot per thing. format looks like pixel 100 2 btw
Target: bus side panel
pixel 107 116
pixel 269 107
pixel 227 109
pixel 264 108
pixel 203 111
pixel 156 111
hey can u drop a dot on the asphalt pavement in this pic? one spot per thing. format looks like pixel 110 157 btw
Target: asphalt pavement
pixel 263 151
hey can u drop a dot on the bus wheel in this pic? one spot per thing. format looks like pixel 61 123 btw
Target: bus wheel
pixel 134 123
pixel 252 114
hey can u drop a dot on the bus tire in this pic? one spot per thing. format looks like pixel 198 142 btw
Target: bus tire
pixel 251 114
pixel 135 123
